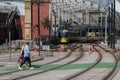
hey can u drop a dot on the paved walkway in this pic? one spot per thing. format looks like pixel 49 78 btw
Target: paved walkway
pixel 67 67
pixel 64 71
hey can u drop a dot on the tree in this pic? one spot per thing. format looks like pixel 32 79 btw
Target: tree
pixel 46 22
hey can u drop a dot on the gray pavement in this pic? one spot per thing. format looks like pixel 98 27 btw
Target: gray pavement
pixel 61 74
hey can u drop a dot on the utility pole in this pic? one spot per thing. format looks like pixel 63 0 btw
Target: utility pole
pixel 55 24
pixel 114 24
pixel 39 26
pixel 106 24
pixel 54 13
pixel 9 28
pixel 38 4
pixel 109 26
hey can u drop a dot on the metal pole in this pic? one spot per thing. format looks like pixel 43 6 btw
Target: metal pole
pixel 55 13
pixel 106 29
pixel 9 43
pixel 39 25
pixel 60 21
pixel 109 25
pixel 114 24
pixel 31 19
pixel 50 28
pixel 101 25
pixel 55 24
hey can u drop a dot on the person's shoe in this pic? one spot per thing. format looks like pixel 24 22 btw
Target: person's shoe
pixel 27 67
pixel 20 68
pixel 31 67
pixel 18 64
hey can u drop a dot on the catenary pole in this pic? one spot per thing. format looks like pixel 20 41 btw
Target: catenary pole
pixel 39 26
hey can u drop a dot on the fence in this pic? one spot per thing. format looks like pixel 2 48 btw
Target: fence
pixel 18 44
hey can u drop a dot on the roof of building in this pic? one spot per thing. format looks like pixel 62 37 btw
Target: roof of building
pixel 82 5
pixel 12 0
pixel 7 7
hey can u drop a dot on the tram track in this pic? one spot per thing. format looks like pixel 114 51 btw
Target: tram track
pixel 1 65
pixel 47 64
pixel 59 74
pixel 85 70
pixel 109 73
pixel 53 68
pixel 64 57
pixel 114 71
pixel 66 73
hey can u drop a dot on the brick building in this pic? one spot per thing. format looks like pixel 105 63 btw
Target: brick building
pixel 24 21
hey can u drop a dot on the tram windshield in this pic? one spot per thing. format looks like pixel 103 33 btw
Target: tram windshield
pixel 63 34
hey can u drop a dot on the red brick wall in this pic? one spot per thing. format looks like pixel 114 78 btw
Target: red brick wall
pixel 44 12
pixel 19 22
pixel 22 21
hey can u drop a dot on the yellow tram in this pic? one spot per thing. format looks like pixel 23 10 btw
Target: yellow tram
pixel 63 36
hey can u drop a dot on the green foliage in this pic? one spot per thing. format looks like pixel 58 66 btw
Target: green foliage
pixel 46 22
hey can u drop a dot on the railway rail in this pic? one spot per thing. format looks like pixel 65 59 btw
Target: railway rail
pixel 53 68
pixel 47 64
pixel 111 72
pixel 41 65
pixel 114 71
pixel 83 71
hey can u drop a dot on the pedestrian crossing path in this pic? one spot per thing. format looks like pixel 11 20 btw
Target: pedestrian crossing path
pixel 67 67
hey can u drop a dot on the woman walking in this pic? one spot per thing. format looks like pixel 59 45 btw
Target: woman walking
pixel 21 55
pixel 26 57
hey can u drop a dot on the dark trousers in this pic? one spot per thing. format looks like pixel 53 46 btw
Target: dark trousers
pixel 26 60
